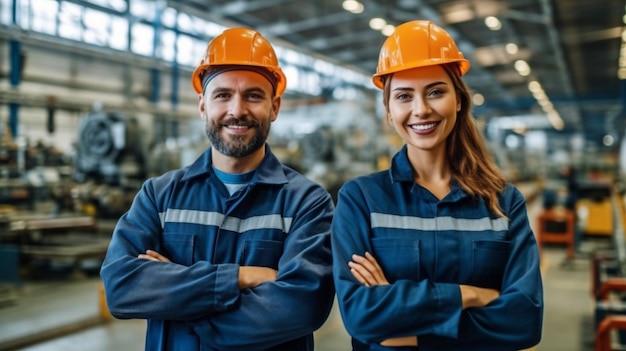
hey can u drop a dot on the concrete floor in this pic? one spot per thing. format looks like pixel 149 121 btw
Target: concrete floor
pixel 70 308
pixel 568 306
pixel 71 311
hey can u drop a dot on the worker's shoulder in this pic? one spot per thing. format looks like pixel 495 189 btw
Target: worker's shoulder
pixel 300 182
pixel 168 178
pixel 370 182
pixel 378 177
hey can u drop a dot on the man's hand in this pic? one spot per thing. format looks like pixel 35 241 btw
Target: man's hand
pixel 153 256
pixel 252 276
pixel 367 270
pixel 249 276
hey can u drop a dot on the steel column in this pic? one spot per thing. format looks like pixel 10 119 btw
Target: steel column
pixel 15 74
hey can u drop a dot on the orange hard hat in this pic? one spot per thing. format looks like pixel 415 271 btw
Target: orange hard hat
pixel 242 47
pixel 417 44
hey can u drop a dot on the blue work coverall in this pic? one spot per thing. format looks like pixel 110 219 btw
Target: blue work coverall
pixel 426 248
pixel 280 220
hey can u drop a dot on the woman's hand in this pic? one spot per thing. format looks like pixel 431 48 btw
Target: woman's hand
pixel 473 296
pixel 367 270
pixel 152 255
pixel 401 341
pixel 369 273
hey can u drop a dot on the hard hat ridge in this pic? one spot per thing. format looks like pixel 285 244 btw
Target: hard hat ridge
pixel 207 75
pixel 417 44
pixel 240 47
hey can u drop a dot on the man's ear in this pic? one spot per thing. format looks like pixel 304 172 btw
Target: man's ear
pixel 201 105
pixel 275 107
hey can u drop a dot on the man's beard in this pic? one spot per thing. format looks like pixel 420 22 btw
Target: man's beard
pixel 236 146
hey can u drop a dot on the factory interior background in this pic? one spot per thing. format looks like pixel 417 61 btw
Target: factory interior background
pixel 95 97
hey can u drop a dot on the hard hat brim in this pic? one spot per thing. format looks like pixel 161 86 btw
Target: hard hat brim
pixel 377 79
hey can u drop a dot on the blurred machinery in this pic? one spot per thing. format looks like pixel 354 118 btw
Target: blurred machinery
pixel 109 149
pixel 110 163
pixel 36 231
pixel 61 228
pixel 178 152
pixel 595 209
pixel 28 173
pixel 318 156
pixel 331 150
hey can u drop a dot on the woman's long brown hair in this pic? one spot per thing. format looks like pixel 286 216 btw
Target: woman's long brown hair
pixel 471 163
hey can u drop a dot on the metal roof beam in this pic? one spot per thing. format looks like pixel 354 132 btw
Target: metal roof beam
pixel 282 27
pixel 238 7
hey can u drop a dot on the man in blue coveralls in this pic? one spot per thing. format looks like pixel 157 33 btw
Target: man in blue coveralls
pixel 233 251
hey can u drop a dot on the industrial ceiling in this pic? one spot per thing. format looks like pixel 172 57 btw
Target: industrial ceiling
pixel 571 47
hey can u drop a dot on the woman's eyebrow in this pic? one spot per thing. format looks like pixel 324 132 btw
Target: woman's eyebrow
pixel 428 86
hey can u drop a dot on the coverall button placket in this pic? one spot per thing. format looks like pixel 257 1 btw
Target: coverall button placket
pixel 230 206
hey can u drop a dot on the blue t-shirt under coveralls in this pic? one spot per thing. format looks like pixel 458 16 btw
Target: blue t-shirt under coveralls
pixel 280 220
pixel 426 248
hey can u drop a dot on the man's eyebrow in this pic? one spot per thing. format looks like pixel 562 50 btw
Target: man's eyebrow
pixel 221 90
pixel 255 89
pixel 228 90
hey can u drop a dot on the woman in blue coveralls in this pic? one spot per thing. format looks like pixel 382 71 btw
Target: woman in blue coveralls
pixel 232 252
pixel 435 253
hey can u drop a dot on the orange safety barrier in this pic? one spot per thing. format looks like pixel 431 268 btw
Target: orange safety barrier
pixel 102 304
pixel 557 226
pixel 601 286
pixel 603 334
pixel 597 260
pixel 611 285
pixel 611 322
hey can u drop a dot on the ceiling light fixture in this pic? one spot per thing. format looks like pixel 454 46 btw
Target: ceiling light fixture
pixel 621 70
pixel 377 23
pixel 511 48
pixel 522 67
pixel 478 99
pixel 534 86
pixel 352 6
pixel 555 119
pixel 546 105
pixel 458 14
pixel 493 23
pixel 388 30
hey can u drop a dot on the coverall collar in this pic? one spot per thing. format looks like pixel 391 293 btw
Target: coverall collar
pixel 401 171
pixel 270 170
